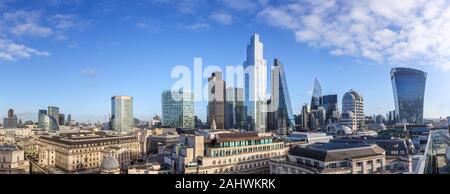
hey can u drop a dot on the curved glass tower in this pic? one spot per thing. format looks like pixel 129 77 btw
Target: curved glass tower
pixel 409 92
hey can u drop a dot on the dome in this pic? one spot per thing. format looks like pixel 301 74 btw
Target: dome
pixel 344 130
pixel 331 128
pixel 109 163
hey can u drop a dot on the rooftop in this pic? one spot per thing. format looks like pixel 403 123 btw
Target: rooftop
pixel 337 151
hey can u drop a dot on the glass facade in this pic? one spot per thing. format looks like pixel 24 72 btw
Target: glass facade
pixel 281 118
pixel 409 93
pixel 255 85
pixel 317 93
pixel 330 103
pixel 122 113
pixel 54 112
pixel 178 109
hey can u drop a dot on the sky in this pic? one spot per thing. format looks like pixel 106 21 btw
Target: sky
pixel 77 54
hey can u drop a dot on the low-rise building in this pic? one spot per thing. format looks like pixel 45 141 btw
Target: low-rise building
pixel 74 152
pixel 12 160
pixel 148 168
pixel 331 158
pixel 227 153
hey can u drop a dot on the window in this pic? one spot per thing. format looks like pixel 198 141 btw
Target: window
pixel 332 165
pixel 359 164
pixel 369 162
pixel 378 161
pixel 343 164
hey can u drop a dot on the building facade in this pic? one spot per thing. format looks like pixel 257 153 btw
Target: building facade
pixel 280 117
pixel 75 152
pixel 178 109
pixel 409 94
pixel 331 158
pixel 330 103
pixel 217 101
pixel 12 160
pixel 353 111
pixel 317 93
pixel 54 112
pixel 236 110
pixel 11 121
pixel 255 85
pixel 226 153
pixel 122 113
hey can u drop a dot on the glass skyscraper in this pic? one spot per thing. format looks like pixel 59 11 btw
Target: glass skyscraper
pixel 317 93
pixel 255 85
pixel 178 109
pixel 281 117
pixel 54 112
pixel 46 121
pixel 330 103
pixel 122 113
pixel 409 93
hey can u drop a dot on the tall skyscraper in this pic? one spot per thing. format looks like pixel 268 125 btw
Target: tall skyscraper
pixel 281 118
pixel 178 109
pixel 330 103
pixel 216 101
pixel 122 113
pixel 11 121
pixel 54 112
pixel 235 108
pixel 353 110
pixel 409 93
pixel 255 85
pixel 448 122
pixel 317 93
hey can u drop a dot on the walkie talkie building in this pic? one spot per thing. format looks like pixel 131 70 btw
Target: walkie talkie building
pixel 409 93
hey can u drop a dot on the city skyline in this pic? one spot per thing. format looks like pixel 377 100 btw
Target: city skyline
pixel 83 71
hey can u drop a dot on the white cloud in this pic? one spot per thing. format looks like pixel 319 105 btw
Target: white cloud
pixel 31 29
pixel 222 18
pixel 10 51
pixel 407 32
pixel 197 27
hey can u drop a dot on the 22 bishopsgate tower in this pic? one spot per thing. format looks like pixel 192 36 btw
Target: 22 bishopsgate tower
pixel 256 85
pixel 409 92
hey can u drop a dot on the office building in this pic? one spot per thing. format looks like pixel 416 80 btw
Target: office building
pixel 305 117
pixel 317 93
pixel 46 121
pixel 235 108
pixel 353 111
pixel 281 118
pixel 409 94
pixel 82 151
pixel 12 160
pixel 255 85
pixel 216 101
pixel 62 119
pixel 226 153
pixel 11 121
pixel 331 158
pixel 54 112
pixel 69 120
pixel 330 103
pixel 178 109
pixel 122 113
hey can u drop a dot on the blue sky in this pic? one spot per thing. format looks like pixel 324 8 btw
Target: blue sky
pixel 76 54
